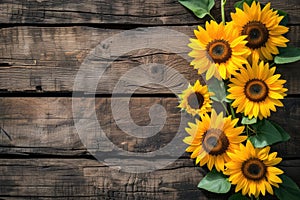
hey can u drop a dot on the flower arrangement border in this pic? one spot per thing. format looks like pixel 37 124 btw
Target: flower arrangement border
pixel 237 59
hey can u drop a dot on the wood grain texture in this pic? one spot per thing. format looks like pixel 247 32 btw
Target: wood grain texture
pixel 90 179
pixel 115 11
pixel 43 44
pixel 47 59
pixel 45 126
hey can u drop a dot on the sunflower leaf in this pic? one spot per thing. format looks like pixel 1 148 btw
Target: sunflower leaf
pixel 248 121
pixel 266 134
pixel 218 88
pixel 199 7
pixel 215 182
pixel 288 55
pixel 288 189
pixel 285 136
pixel 239 4
pixel 228 100
pixel 238 196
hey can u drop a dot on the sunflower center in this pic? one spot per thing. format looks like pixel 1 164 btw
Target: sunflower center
pixel 212 141
pixel 219 51
pixel 195 100
pixel 258 34
pixel 254 169
pixel 256 90
pixel 215 142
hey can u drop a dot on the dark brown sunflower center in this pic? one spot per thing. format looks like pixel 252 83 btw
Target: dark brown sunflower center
pixel 215 142
pixel 219 51
pixel 195 100
pixel 254 169
pixel 257 33
pixel 256 90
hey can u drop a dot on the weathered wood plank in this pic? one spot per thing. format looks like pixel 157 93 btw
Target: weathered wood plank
pixel 47 59
pixel 116 11
pixel 89 179
pixel 45 126
pixel 77 178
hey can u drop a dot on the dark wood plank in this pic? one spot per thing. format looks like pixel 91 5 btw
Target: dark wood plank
pixel 89 179
pixel 45 126
pixel 47 59
pixel 83 178
pixel 116 12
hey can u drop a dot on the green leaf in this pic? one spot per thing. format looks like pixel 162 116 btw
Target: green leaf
pixel 285 136
pixel 288 55
pixel 288 189
pixel 228 100
pixel 215 182
pixel 239 4
pixel 218 88
pixel 266 134
pixel 199 7
pixel 248 121
pixel 238 196
pixel 214 98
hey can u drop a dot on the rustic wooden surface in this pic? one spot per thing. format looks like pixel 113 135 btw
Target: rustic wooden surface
pixel 45 125
pixel 155 12
pixel 42 46
pixel 61 50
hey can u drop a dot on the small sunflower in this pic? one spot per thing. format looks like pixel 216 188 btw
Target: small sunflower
pixel 219 50
pixel 252 170
pixel 196 99
pixel 262 28
pixel 256 90
pixel 212 138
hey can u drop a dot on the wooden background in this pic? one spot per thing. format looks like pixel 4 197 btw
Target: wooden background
pixel 42 45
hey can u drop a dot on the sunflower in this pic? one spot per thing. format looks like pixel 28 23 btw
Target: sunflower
pixel 256 90
pixel 196 99
pixel 212 138
pixel 219 50
pixel 252 170
pixel 262 28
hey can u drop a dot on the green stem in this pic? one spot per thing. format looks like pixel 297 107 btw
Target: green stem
pixel 225 108
pixel 232 111
pixel 211 17
pixel 252 130
pixel 223 2
pixel 248 128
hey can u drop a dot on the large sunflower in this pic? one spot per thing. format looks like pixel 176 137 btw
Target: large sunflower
pixel 252 170
pixel 219 50
pixel 262 28
pixel 212 138
pixel 256 90
pixel 196 99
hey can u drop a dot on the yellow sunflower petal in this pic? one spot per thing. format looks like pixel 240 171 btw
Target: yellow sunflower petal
pixel 256 90
pixel 219 44
pixel 195 100
pixel 266 21
pixel 250 173
pixel 214 127
pixel 274 178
